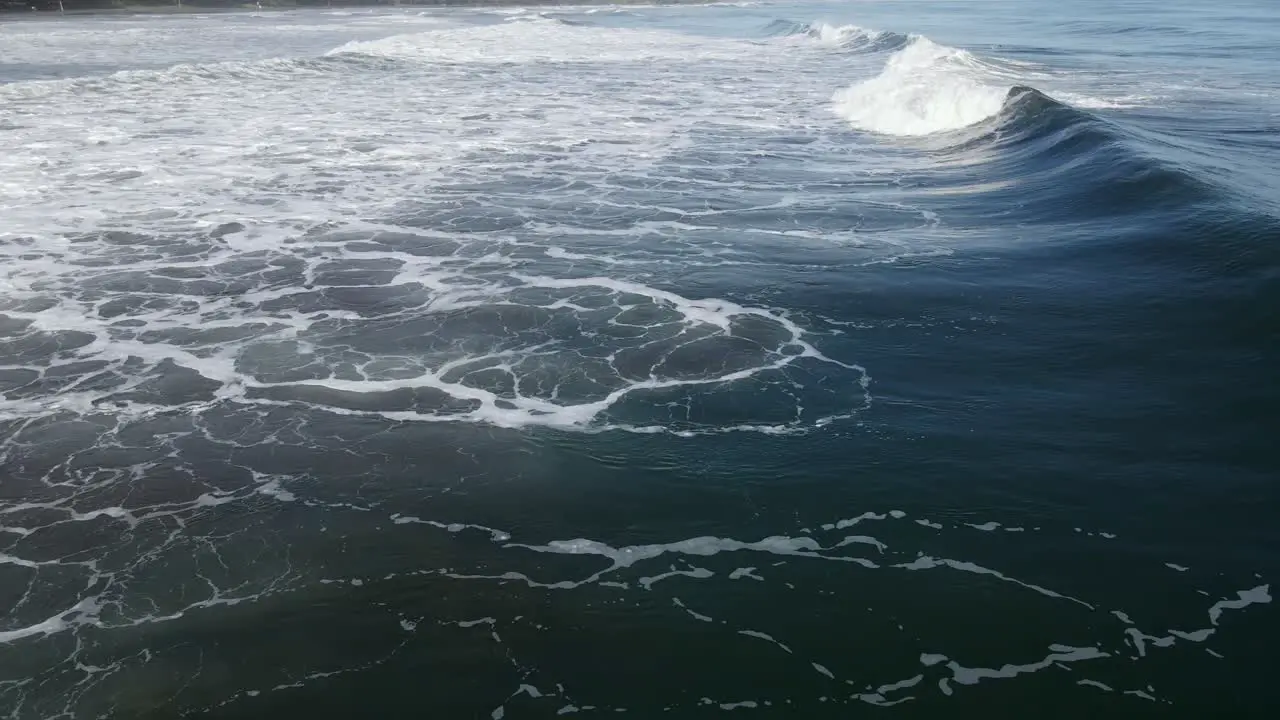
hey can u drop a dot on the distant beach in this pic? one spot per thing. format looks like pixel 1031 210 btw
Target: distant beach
pixel 82 7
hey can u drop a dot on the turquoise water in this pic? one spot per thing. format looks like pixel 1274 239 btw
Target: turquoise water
pixel 786 359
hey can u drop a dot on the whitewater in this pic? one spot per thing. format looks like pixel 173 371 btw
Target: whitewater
pixel 545 359
pixel 217 223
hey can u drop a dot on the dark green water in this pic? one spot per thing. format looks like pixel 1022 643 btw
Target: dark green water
pixel 661 362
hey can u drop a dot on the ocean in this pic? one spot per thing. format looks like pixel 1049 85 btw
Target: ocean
pixel 776 359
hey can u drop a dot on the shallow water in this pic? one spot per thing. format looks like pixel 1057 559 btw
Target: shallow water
pixel 781 358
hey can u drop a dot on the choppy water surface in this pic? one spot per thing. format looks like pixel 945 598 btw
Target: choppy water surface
pixel 776 358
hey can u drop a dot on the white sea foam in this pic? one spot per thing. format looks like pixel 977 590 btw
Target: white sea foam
pixel 538 38
pixel 924 88
pixel 162 186
pixel 89 47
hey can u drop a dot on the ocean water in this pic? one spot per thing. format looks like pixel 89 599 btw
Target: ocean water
pixel 784 359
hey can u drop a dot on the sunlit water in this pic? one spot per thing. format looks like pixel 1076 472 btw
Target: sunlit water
pixel 783 358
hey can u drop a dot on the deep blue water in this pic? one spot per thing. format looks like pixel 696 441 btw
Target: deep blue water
pixel 785 359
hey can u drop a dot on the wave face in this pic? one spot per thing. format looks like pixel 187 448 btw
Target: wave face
pixel 647 361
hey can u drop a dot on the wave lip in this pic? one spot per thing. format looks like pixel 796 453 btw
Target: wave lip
pixel 925 88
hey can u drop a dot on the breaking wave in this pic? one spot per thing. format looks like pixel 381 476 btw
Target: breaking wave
pixel 1039 156
pixel 925 88
pixel 848 37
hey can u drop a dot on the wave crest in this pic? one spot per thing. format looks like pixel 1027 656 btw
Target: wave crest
pixel 853 37
pixel 846 37
pixel 925 88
